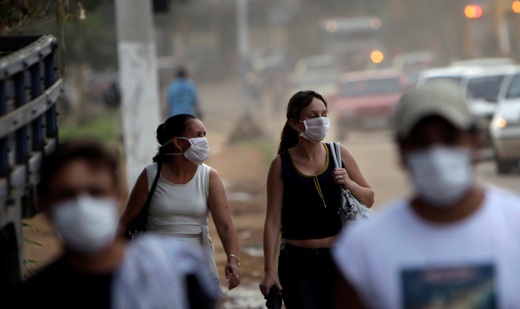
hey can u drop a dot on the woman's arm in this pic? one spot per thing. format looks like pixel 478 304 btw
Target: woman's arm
pixel 219 208
pixel 272 225
pixel 136 200
pixel 356 182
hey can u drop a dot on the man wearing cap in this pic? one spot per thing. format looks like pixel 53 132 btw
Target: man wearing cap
pixel 453 243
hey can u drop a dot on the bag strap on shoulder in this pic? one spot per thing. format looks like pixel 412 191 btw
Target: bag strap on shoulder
pixel 152 189
pixel 336 153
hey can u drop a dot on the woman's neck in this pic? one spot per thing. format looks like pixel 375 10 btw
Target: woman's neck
pixel 178 170
pixel 180 166
pixel 307 150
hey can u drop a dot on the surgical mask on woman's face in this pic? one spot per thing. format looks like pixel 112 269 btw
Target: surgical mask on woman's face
pixel 441 175
pixel 86 224
pixel 316 129
pixel 199 150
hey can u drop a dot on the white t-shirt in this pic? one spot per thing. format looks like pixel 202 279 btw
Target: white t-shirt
pixel 400 260
pixel 154 274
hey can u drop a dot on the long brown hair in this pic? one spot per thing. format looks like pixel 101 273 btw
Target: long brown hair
pixel 299 101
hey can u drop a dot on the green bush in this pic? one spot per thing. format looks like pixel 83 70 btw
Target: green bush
pixel 103 127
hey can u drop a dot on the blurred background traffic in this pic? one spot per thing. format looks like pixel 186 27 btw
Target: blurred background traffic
pixel 361 55
pixel 249 56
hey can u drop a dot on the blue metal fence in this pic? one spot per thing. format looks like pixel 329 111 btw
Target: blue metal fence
pixel 29 90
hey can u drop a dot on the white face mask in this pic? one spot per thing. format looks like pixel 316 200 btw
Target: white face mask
pixel 86 224
pixel 316 129
pixel 199 150
pixel 441 175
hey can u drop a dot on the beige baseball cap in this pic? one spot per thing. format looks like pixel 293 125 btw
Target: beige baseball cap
pixel 442 99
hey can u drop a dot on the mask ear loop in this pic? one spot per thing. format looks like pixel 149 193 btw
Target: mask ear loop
pixel 167 143
pixel 295 128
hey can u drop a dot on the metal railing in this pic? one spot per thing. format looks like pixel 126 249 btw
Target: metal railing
pixel 29 90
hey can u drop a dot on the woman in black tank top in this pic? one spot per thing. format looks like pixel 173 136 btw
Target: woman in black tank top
pixel 302 204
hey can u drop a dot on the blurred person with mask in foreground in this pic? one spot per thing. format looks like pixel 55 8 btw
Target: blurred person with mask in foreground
pixel 80 193
pixel 453 243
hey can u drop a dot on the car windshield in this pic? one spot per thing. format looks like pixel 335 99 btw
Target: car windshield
pixel 485 87
pixel 370 87
pixel 514 88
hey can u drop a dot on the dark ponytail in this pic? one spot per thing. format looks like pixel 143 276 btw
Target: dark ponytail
pixel 288 138
pixel 299 101
pixel 172 127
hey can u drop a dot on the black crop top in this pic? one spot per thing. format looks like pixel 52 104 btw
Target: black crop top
pixel 304 215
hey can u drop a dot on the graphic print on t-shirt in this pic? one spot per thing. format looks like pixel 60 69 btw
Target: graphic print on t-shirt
pixel 468 286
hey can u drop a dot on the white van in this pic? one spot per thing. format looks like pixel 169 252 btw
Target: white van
pixel 505 126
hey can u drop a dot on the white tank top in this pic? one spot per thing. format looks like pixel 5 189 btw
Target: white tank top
pixel 181 210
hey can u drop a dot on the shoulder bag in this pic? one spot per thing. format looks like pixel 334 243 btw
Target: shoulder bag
pixel 140 223
pixel 351 210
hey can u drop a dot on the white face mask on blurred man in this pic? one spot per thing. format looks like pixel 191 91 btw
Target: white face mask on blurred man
pixel 86 224
pixel 441 175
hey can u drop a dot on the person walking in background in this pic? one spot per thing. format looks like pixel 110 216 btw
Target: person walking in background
pixel 80 193
pixel 303 199
pixel 186 192
pixel 453 243
pixel 182 96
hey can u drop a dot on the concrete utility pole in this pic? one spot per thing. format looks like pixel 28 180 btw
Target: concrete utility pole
pixel 245 129
pixel 502 28
pixel 243 50
pixel 140 105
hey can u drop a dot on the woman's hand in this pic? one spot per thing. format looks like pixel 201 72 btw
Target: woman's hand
pixel 232 274
pixel 341 177
pixel 269 279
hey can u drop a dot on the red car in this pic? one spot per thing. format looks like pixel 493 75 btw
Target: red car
pixel 366 99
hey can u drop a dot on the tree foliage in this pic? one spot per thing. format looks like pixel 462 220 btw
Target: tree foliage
pixel 85 29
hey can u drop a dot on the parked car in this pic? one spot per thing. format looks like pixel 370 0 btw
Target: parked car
pixel 487 62
pixel 481 87
pixel 505 126
pixel 413 63
pixel 480 80
pixel 366 99
pixel 319 73
pixel 451 74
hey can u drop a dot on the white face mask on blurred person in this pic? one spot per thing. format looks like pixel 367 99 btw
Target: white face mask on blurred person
pixel 86 224
pixel 316 129
pixel 441 175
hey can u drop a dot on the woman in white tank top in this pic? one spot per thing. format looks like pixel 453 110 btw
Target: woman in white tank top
pixel 186 192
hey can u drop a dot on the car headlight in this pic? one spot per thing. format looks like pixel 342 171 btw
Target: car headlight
pixel 500 123
pixel 497 124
